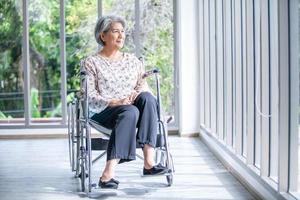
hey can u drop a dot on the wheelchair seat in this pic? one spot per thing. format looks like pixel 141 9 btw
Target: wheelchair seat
pixel 100 143
pixel 100 128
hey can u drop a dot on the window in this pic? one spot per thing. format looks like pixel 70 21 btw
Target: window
pixel 157 46
pixel 80 40
pixel 274 91
pixel 11 70
pixel 44 51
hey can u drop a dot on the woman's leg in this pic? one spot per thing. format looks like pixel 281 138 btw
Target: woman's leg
pixel 109 170
pixel 122 144
pixel 147 126
pixel 148 152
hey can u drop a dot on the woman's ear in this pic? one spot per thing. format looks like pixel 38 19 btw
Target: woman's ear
pixel 102 36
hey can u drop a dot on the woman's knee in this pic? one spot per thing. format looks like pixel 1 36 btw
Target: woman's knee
pixel 131 112
pixel 146 97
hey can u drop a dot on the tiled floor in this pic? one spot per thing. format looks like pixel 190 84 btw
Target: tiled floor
pixel 39 169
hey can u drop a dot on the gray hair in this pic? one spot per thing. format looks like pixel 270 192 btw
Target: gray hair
pixel 103 25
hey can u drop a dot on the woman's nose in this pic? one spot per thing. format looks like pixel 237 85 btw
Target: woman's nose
pixel 121 35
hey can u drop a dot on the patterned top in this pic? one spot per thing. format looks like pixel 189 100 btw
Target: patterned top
pixel 109 79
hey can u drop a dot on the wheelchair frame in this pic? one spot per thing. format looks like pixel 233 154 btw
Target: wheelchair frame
pixel 81 142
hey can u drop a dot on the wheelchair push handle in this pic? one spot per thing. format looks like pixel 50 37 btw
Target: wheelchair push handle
pixel 83 73
pixel 155 72
pixel 151 72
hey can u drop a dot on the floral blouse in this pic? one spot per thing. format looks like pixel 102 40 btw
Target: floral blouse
pixel 109 79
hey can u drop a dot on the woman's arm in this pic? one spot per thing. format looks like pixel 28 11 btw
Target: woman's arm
pixel 96 102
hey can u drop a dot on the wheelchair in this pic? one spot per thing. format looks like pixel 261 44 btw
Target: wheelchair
pixel 81 143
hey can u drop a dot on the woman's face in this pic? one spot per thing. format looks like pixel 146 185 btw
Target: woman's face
pixel 115 37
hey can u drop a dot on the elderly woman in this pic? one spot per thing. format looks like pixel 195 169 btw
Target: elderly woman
pixel 119 99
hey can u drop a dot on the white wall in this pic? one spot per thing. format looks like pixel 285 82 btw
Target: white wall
pixel 189 120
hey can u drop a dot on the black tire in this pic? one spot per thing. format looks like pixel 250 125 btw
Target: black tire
pixel 70 136
pixel 170 179
pixel 74 158
pixel 82 175
pixel 70 151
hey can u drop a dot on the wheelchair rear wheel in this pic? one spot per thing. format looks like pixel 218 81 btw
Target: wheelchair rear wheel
pixel 83 167
pixel 82 177
pixel 71 136
pixel 166 158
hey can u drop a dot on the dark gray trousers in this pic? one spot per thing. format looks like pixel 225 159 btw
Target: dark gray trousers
pixel 123 120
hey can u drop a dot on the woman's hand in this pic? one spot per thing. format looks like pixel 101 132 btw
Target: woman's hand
pixel 133 96
pixel 117 102
pixel 126 101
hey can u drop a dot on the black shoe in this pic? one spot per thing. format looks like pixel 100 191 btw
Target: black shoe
pixel 111 184
pixel 155 170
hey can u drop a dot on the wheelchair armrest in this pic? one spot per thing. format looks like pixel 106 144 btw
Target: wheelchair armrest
pixel 79 94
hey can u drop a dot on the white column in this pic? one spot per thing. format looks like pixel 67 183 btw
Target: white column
pixel 189 120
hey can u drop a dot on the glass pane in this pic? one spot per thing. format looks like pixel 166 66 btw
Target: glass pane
pixel 257 82
pixel 44 52
pixel 157 46
pixel 274 101
pixel 11 69
pixel 81 17
pixel 299 98
pixel 244 64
